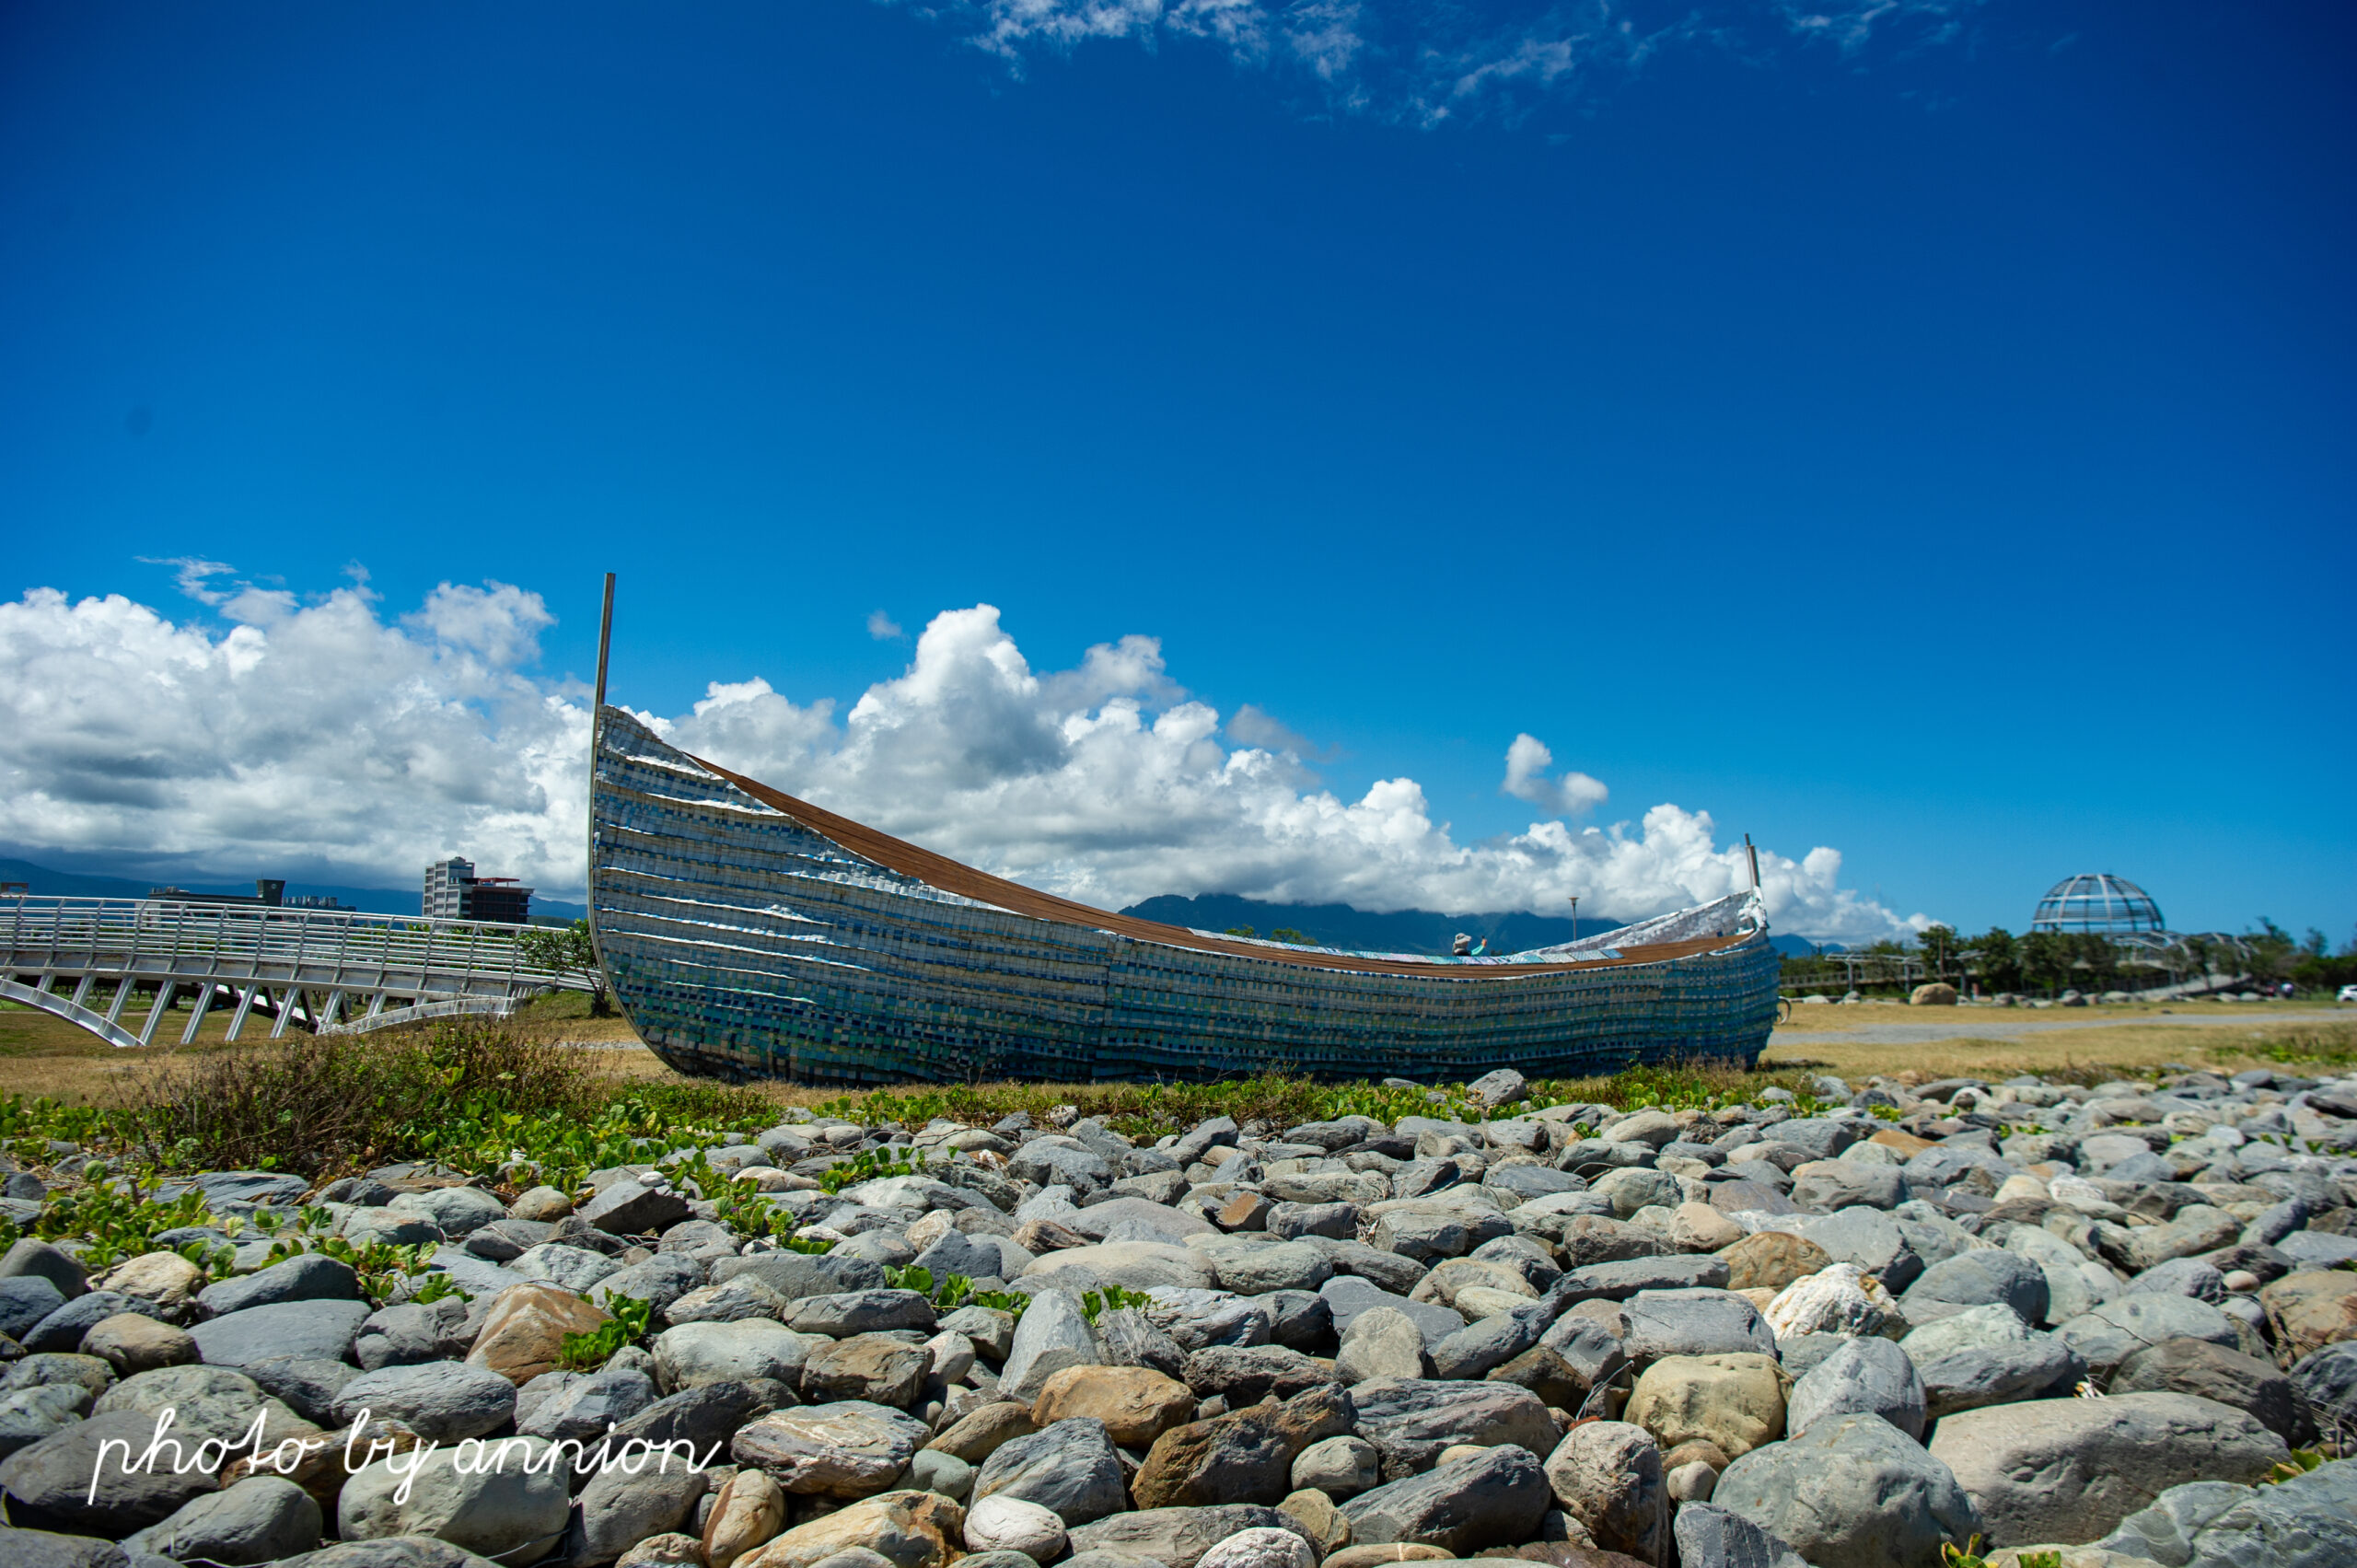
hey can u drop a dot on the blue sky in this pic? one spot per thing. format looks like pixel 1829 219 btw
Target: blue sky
pixel 1922 430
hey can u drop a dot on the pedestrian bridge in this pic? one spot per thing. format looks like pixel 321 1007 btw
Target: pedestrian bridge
pixel 329 972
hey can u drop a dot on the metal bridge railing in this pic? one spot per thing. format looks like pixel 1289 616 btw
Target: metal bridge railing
pixel 256 953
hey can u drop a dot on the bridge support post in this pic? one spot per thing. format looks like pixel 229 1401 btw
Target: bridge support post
pixel 164 990
pixel 245 1005
pixel 286 997
pixel 334 1010
pixel 196 1013
pixel 122 994
pixel 82 989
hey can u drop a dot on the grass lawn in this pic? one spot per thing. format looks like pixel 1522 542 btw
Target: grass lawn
pixel 43 1055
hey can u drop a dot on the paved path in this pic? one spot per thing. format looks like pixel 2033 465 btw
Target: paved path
pixel 1975 1023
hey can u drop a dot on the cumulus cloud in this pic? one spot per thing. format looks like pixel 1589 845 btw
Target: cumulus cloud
pixel 1528 760
pixel 323 739
pixel 1425 64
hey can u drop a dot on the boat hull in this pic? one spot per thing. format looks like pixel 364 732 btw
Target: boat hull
pixel 742 941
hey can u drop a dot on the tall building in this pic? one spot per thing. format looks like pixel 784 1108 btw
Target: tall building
pixel 453 891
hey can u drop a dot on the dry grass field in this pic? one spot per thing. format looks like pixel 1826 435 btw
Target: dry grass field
pixel 41 1055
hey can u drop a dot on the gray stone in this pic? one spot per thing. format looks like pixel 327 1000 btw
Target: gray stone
pixel 616 1510
pixel 45 1549
pixel 28 1415
pixel 1693 1322
pixel 695 1353
pixel 443 1400
pixel 2326 1379
pixel 704 1416
pixel 32 1258
pixel 2309 1521
pixel 881 1368
pixel 305 1384
pixel 2315 1250
pixel 1620 1280
pixel 1346 1296
pixel 955 1252
pixel 1125 1337
pixel 1867 1375
pixel 513 1508
pixel 455 1211
pixel 1828 1185
pixel 1711 1537
pixel 1293 1265
pixel 1051 1335
pixel 63 1330
pixel 861 1312
pixel 1172 1537
pixel 315 1330
pixel 1475 1349
pixel 260 1519
pixel 1288 1222
pixel 2071 1470
pixel 660 1281
pixel 568 1268
pixel 1852 1491
pixel 581 1405
pixel 1340 1467
pixel 1243 1375
pixel 1872 1241
pixel 1823 1136
pixel 626 1208
pixel 58 1484
pixel 1501 1087
pixel 2182 1277
pixel 1380 1343
pixel 1067 1467
pixel 39 1371
pixel 2214 1372
pixel 1409 1420
pixel 2115 1329
pixel 1607 1475
pixel 1978 1279
pixel 945 1473
pixel 205 1401
pixel 1493 1498
pixel 307 1277
pixel 25 1300
pixel 847 1450
pixel 410 1333
pixel 1636 1186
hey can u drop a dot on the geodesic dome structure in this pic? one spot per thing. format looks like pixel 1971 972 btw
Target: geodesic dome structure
pixel 2097 903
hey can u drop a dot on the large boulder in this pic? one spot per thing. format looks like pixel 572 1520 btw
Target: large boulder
pixel 2311 1310
pixel 523 1332
pixel 1607 1475
pixel 1137 1404
pixel 1409 1420
pixel 2113 1330
pixel 1493 1498
pixel 1869 1376
pixel 512 1508
pixel 1176 1538
pixel 59 1483
pixel 440 1401
pixel 320 1330
pixel 1735 1403
pixel 621 1508
pixel 848 1449
pixel 906 1529
pixel 1244 1457
pixel 1067 1467
pixel 2309 1521
pixel 260 1519
pixel 1852 1491
pixel 2214 1372
pixel 2071 1470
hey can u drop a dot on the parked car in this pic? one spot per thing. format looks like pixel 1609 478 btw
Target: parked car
pixel 2348 993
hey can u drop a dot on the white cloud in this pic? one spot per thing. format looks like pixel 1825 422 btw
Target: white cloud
pixel 882 627
pixel 322 739
pixel 1528 760
pixel 1425 64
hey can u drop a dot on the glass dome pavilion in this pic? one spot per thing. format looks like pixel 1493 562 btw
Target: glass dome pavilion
pixel 2098 903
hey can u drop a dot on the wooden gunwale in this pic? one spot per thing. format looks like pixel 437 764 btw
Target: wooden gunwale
pixel 949 876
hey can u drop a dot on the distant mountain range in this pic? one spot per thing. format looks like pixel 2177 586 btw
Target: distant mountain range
pixel 1339 926
pixel 41 880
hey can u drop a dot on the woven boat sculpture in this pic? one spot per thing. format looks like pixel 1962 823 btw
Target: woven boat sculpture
pixel 750 933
